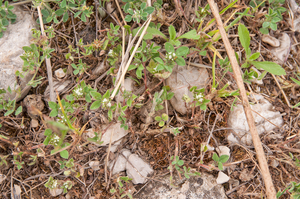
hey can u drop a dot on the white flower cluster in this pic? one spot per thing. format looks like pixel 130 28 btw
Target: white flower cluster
pixel 110 53
pixel 170 56
pixel 136 14
pixel 65 185
pixel 78 91
pixel 54 184
pixel 54 140
pixel 199 97
pixel 106 102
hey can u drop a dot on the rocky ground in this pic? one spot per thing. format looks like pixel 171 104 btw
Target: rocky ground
pixel 85 114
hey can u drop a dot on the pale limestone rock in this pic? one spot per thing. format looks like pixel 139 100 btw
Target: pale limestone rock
pixel 180 81
pixel 14 38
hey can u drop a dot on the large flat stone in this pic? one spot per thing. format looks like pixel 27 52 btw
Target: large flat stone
pixel 14 38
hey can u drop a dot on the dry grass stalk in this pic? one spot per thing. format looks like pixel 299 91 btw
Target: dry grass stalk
pixel 270 190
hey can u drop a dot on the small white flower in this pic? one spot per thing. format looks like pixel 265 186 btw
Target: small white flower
pixel 174 54
pixel 229 83
pixel 54 184
pixel 199 97
pixel 78 91
pixel 105 100
pixel 108 104
pixel 110 52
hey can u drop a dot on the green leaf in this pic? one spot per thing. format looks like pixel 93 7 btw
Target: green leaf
pixel 157 118
pixel 149 10
pixel 169 47
pixel 271 67
pixel 161 123
pixel 19 110
pixel 172 33
pixel 96 95
pixel 190 35
pixel 220 166
pixel 66 17
pixel 180 61
pixel 273 26
pixel 296 81
pixel 244 37
pixel 159 60
pixel 215 157
pixel 64 154
pixel 266 24
pixel 182 51
pixel 53 113
pixel 96 104
pixel 128 18
pixel 254 56
pixel 164 117
pixel 59 12
pixel 223 158
pixel 264 31
pixel 180 162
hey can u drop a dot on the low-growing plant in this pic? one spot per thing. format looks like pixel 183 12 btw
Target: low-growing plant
pixel 136 10
pixel 294 189
pixel 6 15
pixel 220 160
pixel 123 191
pixel 270 67
pixel 162 119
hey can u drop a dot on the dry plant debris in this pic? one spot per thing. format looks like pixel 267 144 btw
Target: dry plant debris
pixel 118 68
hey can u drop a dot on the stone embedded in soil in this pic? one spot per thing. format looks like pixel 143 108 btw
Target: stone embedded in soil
pixel 128 86
pixel 59 86
pixel 238 122
pixel 222 178
pixel 95 165
pixel 55 192
pixel 107 130
pixel 272 41
pixel 180 82
pixel 283 50
pixel 138 169
pixel 197 187
pixel 223 150
pixel 14 38
pixel 119 164
pixel 34 105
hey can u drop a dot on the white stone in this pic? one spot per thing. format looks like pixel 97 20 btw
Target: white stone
pixel 55 192
pixel 272 41
pixel 197 187
pixel 116 129
pixel 283 50
pixel 222 178
pixel 180 81
pixel 60 73
pixel 223 150
pixel 119 164
pixel 14 38
pixel 95 165
pixel 58 87
pixel 128 86
pixel 137 169
pixel 238 122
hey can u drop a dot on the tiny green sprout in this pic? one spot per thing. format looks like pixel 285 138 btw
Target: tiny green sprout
pixel 294 189
pixel 199 98
pixel 177 163
pixel 175 131
pixel 3 160
pixel 220 160
pixel 164 118
pixel 188 173
pixel 33 159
